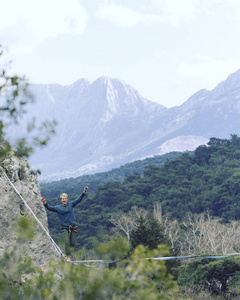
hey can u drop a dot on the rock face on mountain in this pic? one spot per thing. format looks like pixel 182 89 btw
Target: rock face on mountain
pixel 40 249
pixel 108 123
pixel 99 126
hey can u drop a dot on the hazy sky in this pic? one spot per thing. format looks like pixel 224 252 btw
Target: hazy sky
pixel 166 49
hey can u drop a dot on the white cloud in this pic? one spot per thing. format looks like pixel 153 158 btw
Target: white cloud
pixel 25 23
pixel 171 12
pixel 234 13
pixel 123 16
pixel 174 12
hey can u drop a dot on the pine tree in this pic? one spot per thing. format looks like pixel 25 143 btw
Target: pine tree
pixel 150 233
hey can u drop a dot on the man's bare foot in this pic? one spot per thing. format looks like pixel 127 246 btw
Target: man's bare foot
pixel 68 259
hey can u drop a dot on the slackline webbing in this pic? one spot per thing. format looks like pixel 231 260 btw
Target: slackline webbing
pixel 193 256
pixel 160 258
pixel 29 208
pixel 104 261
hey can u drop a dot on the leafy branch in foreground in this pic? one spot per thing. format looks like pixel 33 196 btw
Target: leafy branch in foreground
pixel 14 98
pixel 136 278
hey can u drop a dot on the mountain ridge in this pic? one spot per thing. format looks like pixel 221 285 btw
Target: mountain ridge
pixel 107 123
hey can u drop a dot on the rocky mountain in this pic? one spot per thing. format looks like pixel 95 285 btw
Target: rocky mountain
pixel 12 209
pixel 206 114
pixel 107 123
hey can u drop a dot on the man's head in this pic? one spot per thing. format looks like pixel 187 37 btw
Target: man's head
pixel 64 199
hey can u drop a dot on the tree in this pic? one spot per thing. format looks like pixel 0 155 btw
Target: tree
pixel 150 233
pixel 127 222
pixel 214 275
pixel 218 142
pixel 171 226
pixel 202 155
pixel 205 234
pixel 136 278
pixel 14 97
pixel 235 140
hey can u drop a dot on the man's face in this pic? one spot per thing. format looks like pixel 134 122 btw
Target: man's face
pixel 64 200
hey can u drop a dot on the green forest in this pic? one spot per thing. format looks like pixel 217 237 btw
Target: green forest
pixel 207 179
pixel 178 205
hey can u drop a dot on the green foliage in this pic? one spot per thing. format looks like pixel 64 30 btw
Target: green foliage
pixel 22 149
pixel 215 275
pixel 36 172
pixel 13 274
pixel 5 147
pixel 136 278
pixel 25 227
pixel 113 250
pixel 149 233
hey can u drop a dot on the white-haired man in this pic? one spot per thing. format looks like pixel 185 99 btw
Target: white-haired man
pixel 67 220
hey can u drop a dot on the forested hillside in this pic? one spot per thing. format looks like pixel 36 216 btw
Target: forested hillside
pixel 74 185
pixel 207 180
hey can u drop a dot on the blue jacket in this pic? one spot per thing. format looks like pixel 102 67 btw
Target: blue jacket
pixel 65 213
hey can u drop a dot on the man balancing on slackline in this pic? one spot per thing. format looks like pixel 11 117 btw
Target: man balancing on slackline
pixel 67 220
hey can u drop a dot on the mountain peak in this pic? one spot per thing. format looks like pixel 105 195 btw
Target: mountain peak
pixel 231 83
pixel 105 81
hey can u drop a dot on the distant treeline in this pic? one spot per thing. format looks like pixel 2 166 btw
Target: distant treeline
pixel 74 185
pixel 206 180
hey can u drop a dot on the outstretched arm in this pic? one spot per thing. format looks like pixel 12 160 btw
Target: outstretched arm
pixel 80 197
pixel 49 207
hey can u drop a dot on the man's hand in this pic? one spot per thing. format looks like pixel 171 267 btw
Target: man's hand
pixel 43 200
pixel 85 190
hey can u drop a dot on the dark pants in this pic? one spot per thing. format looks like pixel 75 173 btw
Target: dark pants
pixel 68 239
